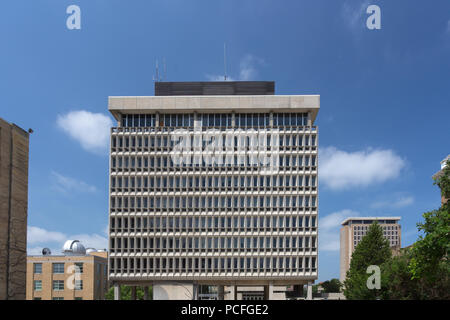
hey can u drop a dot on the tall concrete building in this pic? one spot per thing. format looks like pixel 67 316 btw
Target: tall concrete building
pixel 77 274
pixel 354 229
pixel 214 183
pixel 13 210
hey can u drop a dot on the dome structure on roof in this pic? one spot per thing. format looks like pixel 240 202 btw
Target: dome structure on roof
pixel 74 247
pixel 90 250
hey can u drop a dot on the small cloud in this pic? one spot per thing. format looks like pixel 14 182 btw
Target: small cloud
pixel 399 202
pixel 329 229
pixel 39 235
pixel 353 14
pixel 67 184
pixel 248 69
pixel 448 27
pixel 91 130
pixel 92 240
pixel 341 170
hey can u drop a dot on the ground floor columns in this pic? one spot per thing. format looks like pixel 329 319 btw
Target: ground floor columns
pixel 268 291
pixel 220 292
pixel 116 291
pixel 309 291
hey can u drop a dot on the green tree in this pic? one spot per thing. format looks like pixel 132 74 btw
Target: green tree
pixel 373 249
pixel 443 181
pixel 423 271
pixel 429 262
pixel 397 280
pixel 125 293
pixel 332 286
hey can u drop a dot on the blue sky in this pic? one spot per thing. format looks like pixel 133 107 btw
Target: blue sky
pixel 384 96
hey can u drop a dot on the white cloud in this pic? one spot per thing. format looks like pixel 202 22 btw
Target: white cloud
pixel 448 26
pixel 55 239
pixel 248 69
pixel 92 240
pixel 39 235
pixel 68 184
pixel 91 130
pixel 342 170
pixel 353 14
pixel 329 229
pixel 399 202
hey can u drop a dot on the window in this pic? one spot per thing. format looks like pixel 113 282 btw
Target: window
pixel 78 298
pixel 37 285
pixel 58 268
pixel 79 267
pixel 58 285
pixel 57 298
pixel 78 284
pixel 37 268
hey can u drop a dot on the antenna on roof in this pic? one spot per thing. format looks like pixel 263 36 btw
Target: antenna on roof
pixel 164 69
pixel 156 76
pixel 225 60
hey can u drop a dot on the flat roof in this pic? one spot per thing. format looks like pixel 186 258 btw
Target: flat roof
pixel 369 218
pixel 214 104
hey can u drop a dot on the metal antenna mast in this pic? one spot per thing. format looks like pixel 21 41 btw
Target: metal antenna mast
pixel 225 60
pixel 156 76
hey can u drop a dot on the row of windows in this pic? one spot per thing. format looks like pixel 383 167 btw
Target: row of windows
pixel 383 227
pixel 162 163
pixel 215 120
pixel 214 243
pixel 57 285
pixel 229 142
pixel 168 224
pixel 199 265
pixel 57 267
pixel 191 182
pixel 216 203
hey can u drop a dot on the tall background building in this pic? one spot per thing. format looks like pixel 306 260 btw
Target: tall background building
pixel 354 229
pixel 77 274
pixel 230 222
pixel 13 210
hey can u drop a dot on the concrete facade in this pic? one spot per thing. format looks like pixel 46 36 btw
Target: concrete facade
pixel 354 229
pixel 42 277
pixel 13 210
pixel 224 224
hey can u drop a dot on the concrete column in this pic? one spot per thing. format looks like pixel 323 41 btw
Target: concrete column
pixel 271 119
pixel 232 293
pixel 309 122
pixel 194 291
pixel 133 292
pixel 270 291
pixel 309 291
pixel 116 291
pixel 220 292
pixel 145 293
